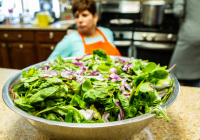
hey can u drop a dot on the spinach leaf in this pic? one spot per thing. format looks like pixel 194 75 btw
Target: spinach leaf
pixel 52 116
pixel 92 95
pixel 76 101
pixel 43 94
pixel 21 103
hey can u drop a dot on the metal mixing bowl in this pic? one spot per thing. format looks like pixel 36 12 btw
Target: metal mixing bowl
pixel 121 130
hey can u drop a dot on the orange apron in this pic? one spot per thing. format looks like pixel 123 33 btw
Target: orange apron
pixel 106 46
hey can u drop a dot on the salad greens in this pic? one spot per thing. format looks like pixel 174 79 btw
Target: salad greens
pixel 93 89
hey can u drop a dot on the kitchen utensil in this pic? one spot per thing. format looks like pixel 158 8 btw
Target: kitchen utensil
pixel 121 21
pixel 152 13
pixel 118 130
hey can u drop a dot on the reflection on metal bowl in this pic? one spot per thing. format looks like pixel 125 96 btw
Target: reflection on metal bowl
pixel 61 130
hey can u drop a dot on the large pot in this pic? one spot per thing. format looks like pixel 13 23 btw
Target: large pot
pixel 152 13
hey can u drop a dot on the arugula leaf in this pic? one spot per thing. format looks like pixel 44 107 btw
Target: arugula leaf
pixel 101 53
pixel 159 74
pixel 150 67
pixel 161 112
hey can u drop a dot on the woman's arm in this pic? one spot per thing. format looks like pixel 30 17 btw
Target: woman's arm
pixel 179 8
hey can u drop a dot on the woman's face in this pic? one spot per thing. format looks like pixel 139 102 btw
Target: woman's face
pixel 85 21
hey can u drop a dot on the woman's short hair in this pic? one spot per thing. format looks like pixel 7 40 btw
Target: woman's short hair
pixel 82 5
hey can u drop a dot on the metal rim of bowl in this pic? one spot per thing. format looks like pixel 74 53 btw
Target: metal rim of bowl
pixel 10 104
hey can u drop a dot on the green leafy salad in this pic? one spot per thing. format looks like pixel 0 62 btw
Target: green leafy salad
pixel 93 89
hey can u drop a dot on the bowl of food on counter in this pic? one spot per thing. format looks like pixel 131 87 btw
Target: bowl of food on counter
pixel 93 96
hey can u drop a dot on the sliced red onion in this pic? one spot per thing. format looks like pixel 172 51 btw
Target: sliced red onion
pixel 124 81
pixel 66 74
pixel 113 80
pixel 127 96
pixel 124 60
pixel 88 114
pixel 45 76
pixel 121 114
pixel 105 117
pixel 122 89
pixel 114 76
pixel 79 78
pixel 163 93
pixel 99 77
pixel 80 58
pixel 78 63
pixel 53 73
pixel 127 67
pixel 47 67
pixel 114 70
pixel 83 69
pixel 128 87
pixel 94 73
pixel 12 93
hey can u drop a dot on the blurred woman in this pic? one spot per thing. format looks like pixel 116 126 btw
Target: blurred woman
pixel 88 37
pixel 186 55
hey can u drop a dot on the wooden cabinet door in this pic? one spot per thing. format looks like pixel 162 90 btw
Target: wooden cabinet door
pixel 44 51
pixel 50 36
pixel 22 55
pixel 16 35
pixel 4 58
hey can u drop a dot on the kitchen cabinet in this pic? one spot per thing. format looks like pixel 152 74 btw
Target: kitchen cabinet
pixel 46 42
pixel 4 57
pixel 44 50
pixel 17 49
pixel 21 55
pixel 22 48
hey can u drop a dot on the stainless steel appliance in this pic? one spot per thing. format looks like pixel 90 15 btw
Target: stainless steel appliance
pixel 154 46
pixel 119 17
pixel 153 43
pixel 152 12
pixel 156 43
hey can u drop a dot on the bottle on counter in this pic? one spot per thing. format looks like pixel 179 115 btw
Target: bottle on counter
pixel 21 19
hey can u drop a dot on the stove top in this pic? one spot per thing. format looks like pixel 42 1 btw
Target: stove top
pixel 169 25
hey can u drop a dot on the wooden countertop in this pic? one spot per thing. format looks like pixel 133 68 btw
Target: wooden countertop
pixel 184 114
pixel 59 25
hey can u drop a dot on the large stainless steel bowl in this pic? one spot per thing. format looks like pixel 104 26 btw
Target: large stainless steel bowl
pixel 121 130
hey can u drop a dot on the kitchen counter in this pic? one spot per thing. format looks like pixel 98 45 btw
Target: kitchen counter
pixel 184 114
pixel 59 25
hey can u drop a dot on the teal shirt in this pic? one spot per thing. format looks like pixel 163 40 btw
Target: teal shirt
pixel 72 44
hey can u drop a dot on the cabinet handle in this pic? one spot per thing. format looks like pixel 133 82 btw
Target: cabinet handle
pixel 21 46
pixel 52 48
pixel 3 45
pixel 19 35
pixel 5 35
pixel 51 35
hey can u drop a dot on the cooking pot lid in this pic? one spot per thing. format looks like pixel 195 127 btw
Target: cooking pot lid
pixel 121 21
